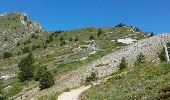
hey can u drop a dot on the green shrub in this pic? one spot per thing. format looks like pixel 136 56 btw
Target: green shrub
pixel 92 77
pixel 5 39
pixel 18 44
pixel 152 34
pixel 70 39
pixel 120 25
pixel 61 38
pixel 66 90
pixel 168 44
pixel 161 55
pixel 91 37
pixel 26 68
pixel 35 47
pixel 49 38
pixel 44 46
pixel 25 50
pixel 26 42
pixel 7 54
pixel 99 32
pixel 140 59
pixel 76 39
pixel 123 64
pixel 33 36
pixel 63 43
pixel 46 81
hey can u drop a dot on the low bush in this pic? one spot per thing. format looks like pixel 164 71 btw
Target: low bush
pixel 46 81
pixel 7 54
pixel 25 50
pixel 92 77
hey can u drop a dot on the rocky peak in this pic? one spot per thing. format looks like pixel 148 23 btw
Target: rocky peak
pixel 19 20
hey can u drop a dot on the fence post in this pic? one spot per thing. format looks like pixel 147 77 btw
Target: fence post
pixel 166 51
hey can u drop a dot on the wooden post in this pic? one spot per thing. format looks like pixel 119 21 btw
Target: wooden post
pixel 166 51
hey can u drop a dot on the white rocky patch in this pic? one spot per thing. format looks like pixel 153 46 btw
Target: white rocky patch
pixel 22 20
pixel 83 58
pixel 7 76
pixel 8 87
pixel 91 53
pixel 127 40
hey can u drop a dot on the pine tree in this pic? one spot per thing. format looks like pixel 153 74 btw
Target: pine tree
pixel 140 58
pixel 91 37
pixel 46 81
pixel 152 34
pixel 99 32
pixel 26 68
pixel 162 55
pixel 123 64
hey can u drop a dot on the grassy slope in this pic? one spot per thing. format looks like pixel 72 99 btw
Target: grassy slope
pixel 143 81
pixel 48 56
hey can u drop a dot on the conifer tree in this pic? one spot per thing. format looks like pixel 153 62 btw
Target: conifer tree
pixel 123 64
pixel 26 68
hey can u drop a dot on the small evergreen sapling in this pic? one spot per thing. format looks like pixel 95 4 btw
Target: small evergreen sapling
pixel 123 64
pixel 140 59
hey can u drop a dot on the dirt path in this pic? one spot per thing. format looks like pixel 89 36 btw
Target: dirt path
pixel 73 94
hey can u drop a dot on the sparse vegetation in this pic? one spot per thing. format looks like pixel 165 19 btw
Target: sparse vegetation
pixel 143 81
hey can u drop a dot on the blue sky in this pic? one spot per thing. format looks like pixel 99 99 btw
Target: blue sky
pixel 149 15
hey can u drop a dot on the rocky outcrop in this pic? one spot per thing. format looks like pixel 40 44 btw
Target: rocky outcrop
pixel 16 28
pixel 25 21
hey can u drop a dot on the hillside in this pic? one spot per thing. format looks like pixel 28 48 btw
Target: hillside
pixel 61 51
pixel 145 81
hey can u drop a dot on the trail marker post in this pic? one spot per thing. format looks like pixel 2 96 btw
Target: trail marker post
pixel 166 52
